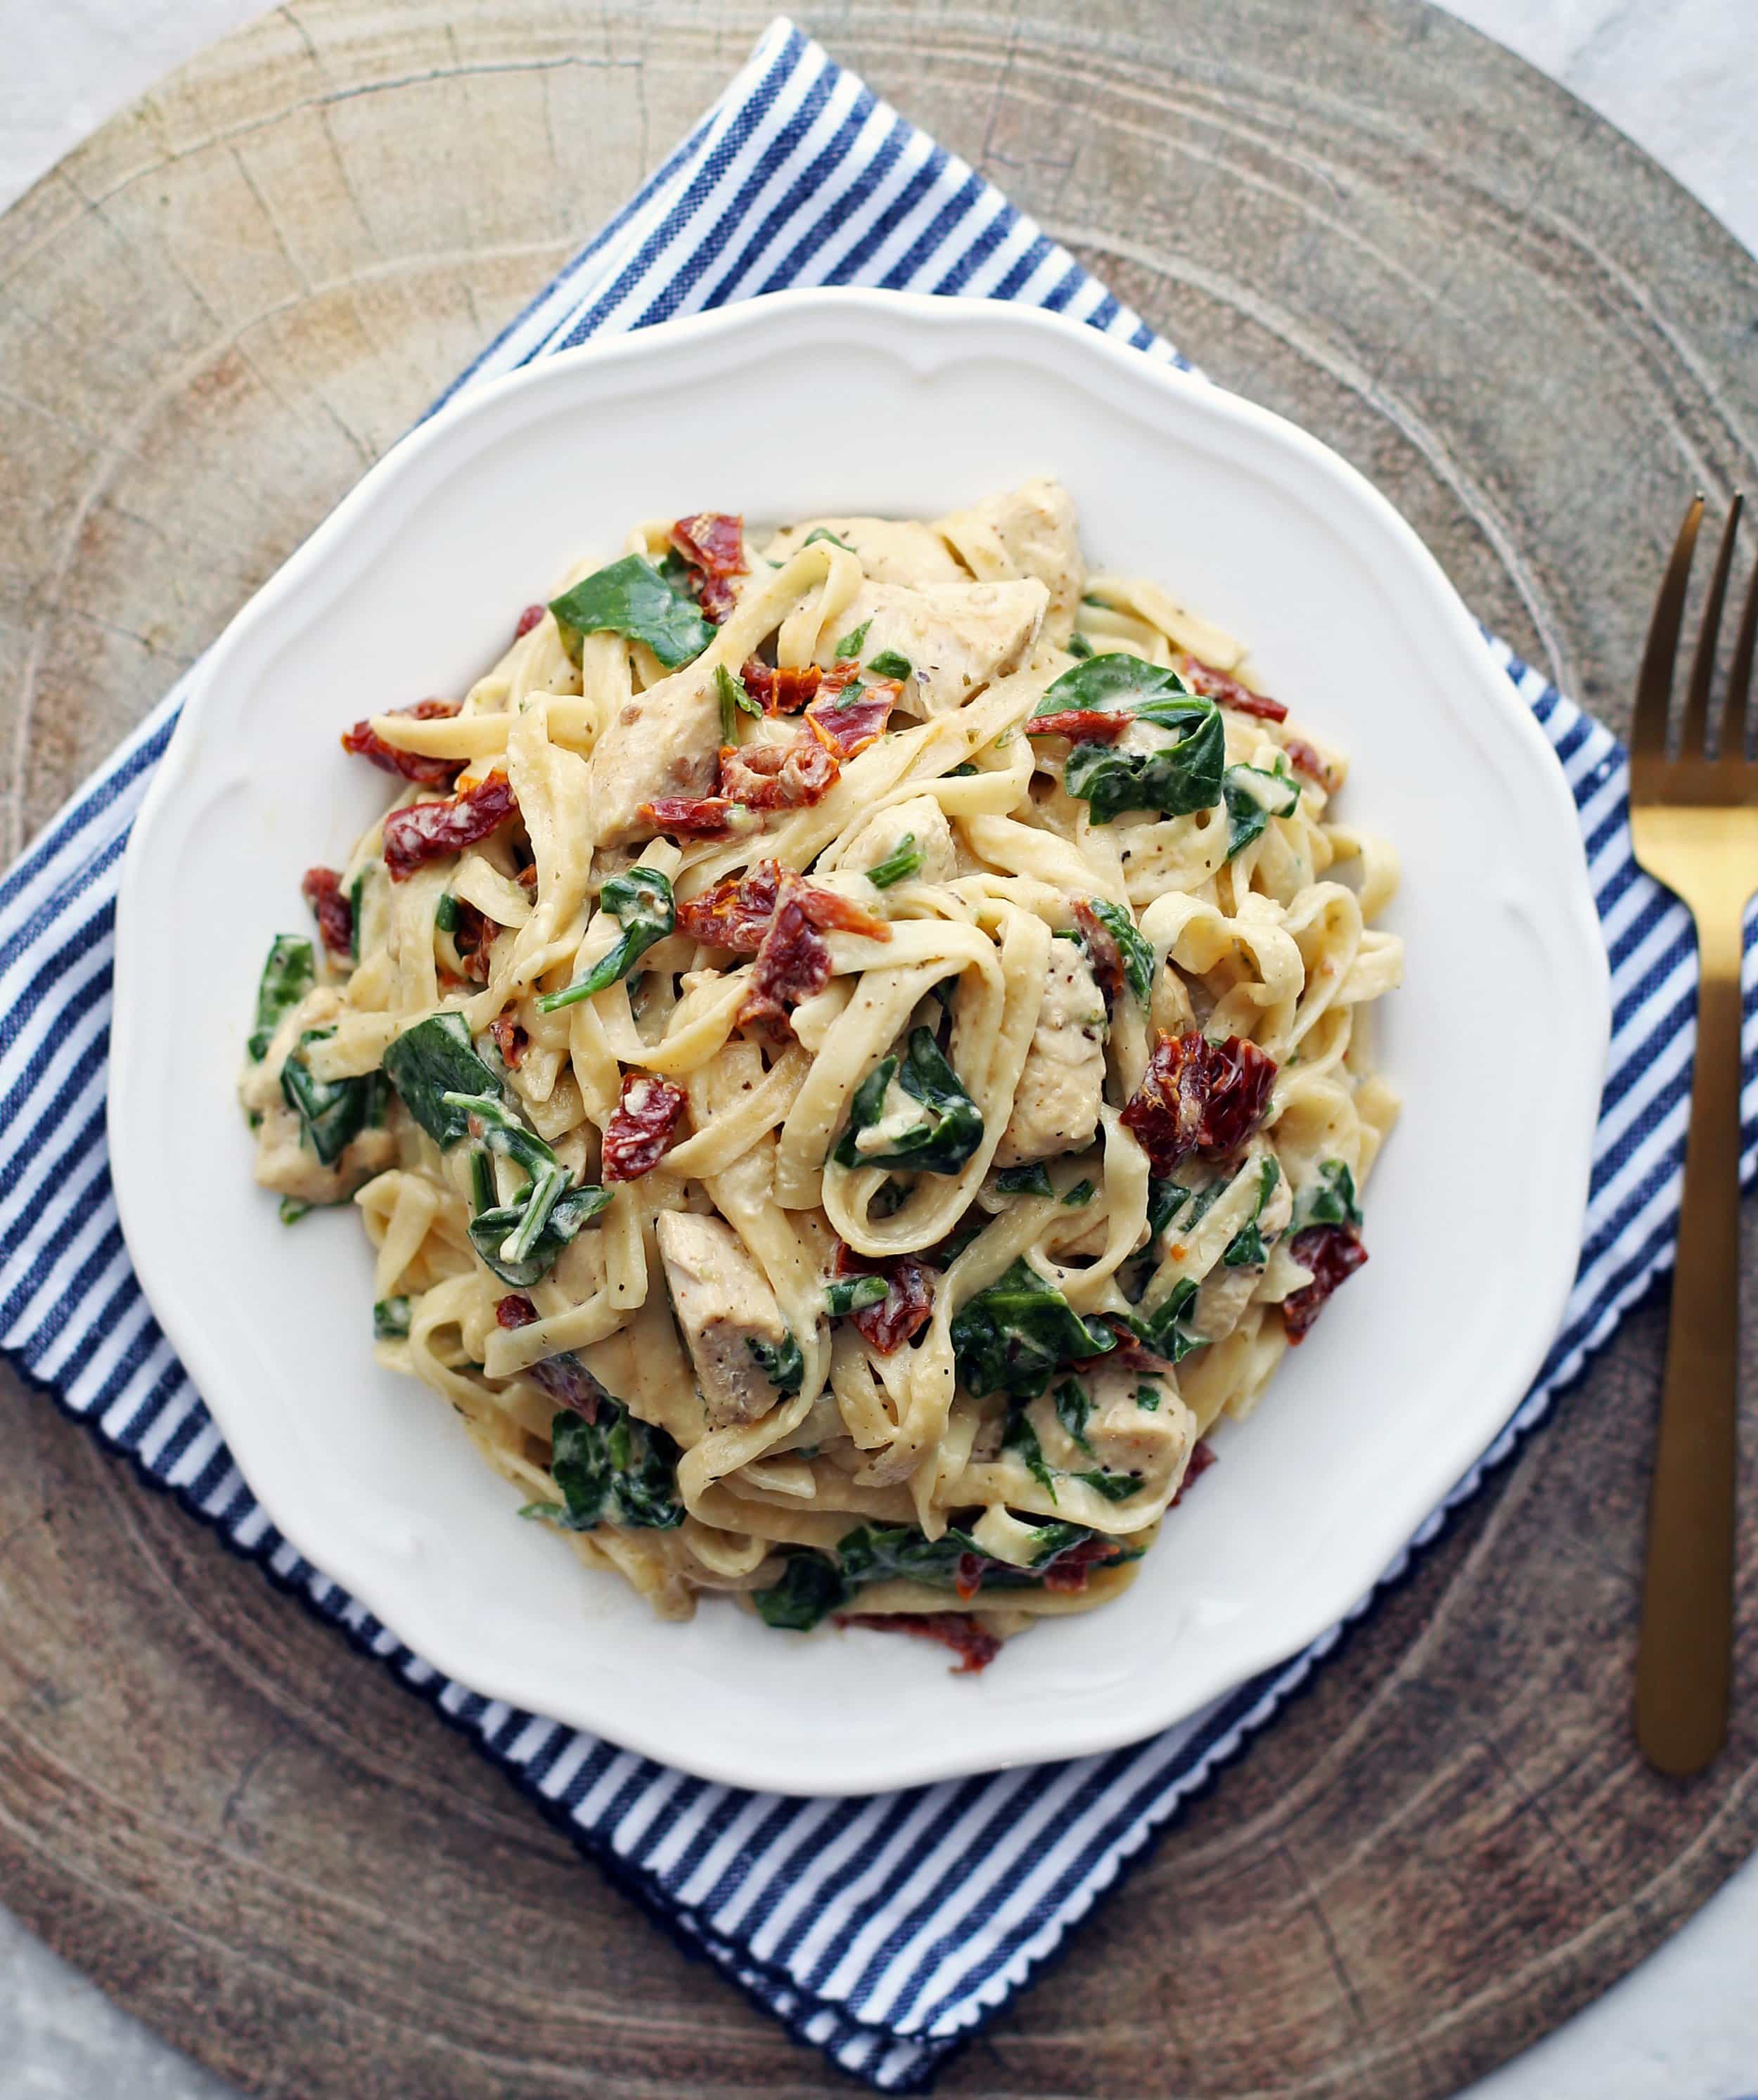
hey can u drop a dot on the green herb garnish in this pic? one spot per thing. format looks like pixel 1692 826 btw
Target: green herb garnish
pixel 902 862
pixel 640 901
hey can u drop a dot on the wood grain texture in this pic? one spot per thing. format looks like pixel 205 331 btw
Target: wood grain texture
pixel 212 317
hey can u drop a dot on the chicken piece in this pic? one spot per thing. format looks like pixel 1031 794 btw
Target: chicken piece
pixel 891 550
pixel 1030 531
pixel 665 741
pixel 1124 1436
pixel 1056 1104
pixel 1096 1421
pixel 291 1168
pixel 1225 1293
pixel 920 819
pixel 724 1304
pixel 955 636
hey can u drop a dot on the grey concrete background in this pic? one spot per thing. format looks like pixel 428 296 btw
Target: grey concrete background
pixel 1680 76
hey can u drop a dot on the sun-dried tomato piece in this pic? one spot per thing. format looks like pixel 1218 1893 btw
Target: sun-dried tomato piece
pixel 735 912
pixel 1083 725
pixel 510 1040
pixel 792 962
pixel 321 888
pixel 429 831
pixel 713 543
pixel 1102 947
pixel 828 908
pixel 964 1633
pixel 908 1305
pixel 1217 685
pixel 564 1378
pixel 1201 1459
pixel 531 617
pixel 781 691
pixel 700 816
pixel 365 742
pixel 1068 1572
pixel 1305 760
pixel 778 776
pixel 1333 1253
pixel 1198 1096
pixel 845 726
pixel 472 936
pixel 1131 1354
pixel 639 1132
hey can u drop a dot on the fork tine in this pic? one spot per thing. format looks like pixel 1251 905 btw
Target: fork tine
pixel 1654 687
pixel 1737 705
pixel 1692 736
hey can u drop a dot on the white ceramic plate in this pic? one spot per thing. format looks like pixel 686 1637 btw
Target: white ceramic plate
pixel 864 401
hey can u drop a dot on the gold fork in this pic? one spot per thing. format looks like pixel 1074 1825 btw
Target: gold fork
pixel 1695 820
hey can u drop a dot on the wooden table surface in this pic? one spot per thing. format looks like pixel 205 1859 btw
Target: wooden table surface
pixel 212 317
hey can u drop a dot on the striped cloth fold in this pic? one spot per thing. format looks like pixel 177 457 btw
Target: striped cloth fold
pixel 885 1930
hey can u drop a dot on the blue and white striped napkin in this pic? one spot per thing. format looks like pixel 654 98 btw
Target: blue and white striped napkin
pixel 885 1929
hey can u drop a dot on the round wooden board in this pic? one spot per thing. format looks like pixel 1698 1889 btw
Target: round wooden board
pixel 212 317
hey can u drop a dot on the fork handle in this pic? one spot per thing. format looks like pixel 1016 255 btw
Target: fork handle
pixel 1684 1658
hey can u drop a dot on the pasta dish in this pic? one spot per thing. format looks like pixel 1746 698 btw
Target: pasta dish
pixel 850 1046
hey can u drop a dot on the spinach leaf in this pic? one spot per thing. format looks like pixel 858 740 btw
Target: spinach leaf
pixel 1137 956
pixel 445 913
pixel 1082 1193
pixel 1114 1486
pixel 288 975
pixel 501 1132
pixel 1246 1249
pixel 734 702
pixel 824 532
pixel 967 771
pixel 903 861
pixel 495 1223
pixel 1014 1336
pixel 853 1294
pixel 356 910
pixel 1030 1180
pixel 1165 1199
pixel 332 1113
pixel 889 663
pixel 1148 1397
pixel 631 598
pixel 640 901
pixel 293 1208
pixel 618 1470
pixel 1183 774
pixel 1330 1201
pixel 1019 1436
pixel 429 1061
pixel 812 1585
pixel 390 1320
pixel 850 643
pixel 948 1134
pixel 1079 647
pixel 1161 1330
pixel 1252 797
pixel 809 1590
pixel 1074 1405
pixel 780 1362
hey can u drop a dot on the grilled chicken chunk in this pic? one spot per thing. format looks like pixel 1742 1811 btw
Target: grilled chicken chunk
pixel 724 1304
pixel 665 741
pixel 1056 1106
